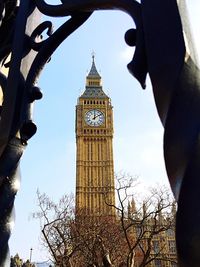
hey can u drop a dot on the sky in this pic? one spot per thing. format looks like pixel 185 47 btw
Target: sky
pixel 48 163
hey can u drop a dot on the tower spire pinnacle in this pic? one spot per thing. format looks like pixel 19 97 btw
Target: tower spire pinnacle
pixel 93 73
pixel 93 56
pixel 93 87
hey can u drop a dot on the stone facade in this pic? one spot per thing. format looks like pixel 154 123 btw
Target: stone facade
pixel 94 156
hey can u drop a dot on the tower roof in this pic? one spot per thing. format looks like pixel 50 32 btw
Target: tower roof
pixel 93 88
pixel 94 92
pixel 93 71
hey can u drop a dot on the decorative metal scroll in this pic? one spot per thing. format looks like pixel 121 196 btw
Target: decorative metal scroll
pixel 163 48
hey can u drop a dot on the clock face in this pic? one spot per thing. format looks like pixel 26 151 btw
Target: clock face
pixel 94 117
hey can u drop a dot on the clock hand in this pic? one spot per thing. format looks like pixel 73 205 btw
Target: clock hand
pixel 97 115
pixel 94 116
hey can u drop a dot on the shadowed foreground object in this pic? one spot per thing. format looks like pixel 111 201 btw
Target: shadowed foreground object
pixel 163 49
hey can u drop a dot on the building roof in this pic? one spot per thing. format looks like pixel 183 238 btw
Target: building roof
pixel 93 88
pixel 93 71
pixel 94 92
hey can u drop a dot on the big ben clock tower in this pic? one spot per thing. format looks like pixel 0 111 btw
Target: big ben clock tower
pixel 94 155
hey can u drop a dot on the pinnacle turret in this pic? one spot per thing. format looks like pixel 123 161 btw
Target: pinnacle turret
pixel 93 71
pixel 93 87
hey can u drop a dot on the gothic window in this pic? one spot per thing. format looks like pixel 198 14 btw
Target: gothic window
pixel 172 246
pixel 91 157
pixel 88 175
pixel 138 231
pixel 99 152
pixel 170 232
pixel 102 152
pixel 91 182
pixel 158 263
pixel 156 246
pixel 88 151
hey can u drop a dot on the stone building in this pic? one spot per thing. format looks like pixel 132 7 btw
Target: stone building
pixel 94 155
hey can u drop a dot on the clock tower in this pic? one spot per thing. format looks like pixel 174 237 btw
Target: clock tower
pixel 94 150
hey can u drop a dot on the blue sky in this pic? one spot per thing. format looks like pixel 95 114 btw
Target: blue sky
pixel 49 161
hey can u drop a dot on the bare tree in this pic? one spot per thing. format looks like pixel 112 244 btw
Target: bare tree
pixel 99 241
pixel 146 224
pixel 138 236
pixel 73 242
pixel 57 220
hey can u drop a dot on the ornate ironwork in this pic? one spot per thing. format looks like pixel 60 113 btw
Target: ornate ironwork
pixel 163 48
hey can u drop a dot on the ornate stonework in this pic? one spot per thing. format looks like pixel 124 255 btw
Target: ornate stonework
pixel 94 156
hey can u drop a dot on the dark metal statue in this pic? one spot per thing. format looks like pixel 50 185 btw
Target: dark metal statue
pixel 163 49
